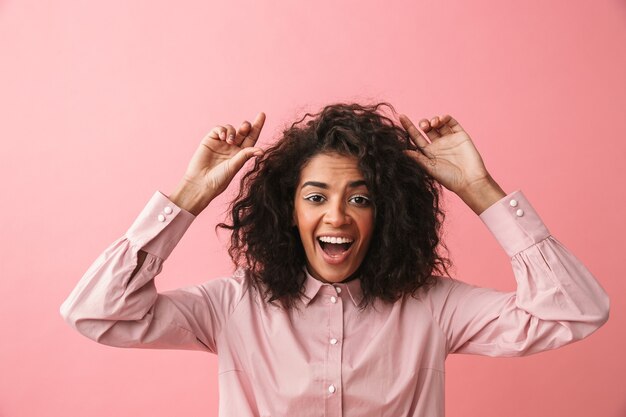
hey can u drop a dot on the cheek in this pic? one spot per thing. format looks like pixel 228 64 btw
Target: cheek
pixel 305 223
pixel 366 225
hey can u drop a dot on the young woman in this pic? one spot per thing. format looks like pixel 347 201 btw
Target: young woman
pixel 340 306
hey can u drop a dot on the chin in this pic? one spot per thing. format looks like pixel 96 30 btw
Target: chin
pixel 336 279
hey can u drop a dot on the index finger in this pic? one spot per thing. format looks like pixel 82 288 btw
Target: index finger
pixel 415 134
pixel 255 131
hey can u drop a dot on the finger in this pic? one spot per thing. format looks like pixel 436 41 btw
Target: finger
pixel 454 125
pixel 423 160
pixel 230 134
pixel 218 133
pixel 444 128
pixel 242 132
pixel 435 123
pixel 426 126
pixel 255 131
pixel 238 161
pixel 414 133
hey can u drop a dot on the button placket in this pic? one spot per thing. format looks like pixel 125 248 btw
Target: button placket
pixel 334 353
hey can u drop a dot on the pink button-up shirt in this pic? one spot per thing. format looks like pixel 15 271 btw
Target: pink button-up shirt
pixel 329 358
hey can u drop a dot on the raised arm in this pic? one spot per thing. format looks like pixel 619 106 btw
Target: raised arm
pixel 557 300
pixel 449 156
pixel 116 301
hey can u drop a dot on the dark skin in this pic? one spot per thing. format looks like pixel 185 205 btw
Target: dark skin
pixel 453 160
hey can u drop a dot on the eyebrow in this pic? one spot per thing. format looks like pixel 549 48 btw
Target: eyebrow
pixel 323 185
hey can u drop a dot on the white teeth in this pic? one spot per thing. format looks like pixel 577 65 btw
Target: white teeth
pixel 329 239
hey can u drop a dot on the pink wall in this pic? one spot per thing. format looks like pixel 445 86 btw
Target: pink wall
pixel 102 103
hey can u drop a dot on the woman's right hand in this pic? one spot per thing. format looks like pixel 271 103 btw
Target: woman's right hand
pixel 220 155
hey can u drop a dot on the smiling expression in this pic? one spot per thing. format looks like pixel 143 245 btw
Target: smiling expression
pixel 334 214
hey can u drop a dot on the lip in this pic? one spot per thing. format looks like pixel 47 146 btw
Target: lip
pixel 334 260
pixel 335 235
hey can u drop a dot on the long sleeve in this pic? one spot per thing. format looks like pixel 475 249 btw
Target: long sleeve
pixel 116 303
pixel 557 300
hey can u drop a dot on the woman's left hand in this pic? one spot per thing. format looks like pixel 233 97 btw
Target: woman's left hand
pixel 451 158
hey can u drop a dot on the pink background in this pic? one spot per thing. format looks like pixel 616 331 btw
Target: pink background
pixel 103 103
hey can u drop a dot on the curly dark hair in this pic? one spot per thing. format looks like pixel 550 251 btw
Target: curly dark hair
pixel 403 253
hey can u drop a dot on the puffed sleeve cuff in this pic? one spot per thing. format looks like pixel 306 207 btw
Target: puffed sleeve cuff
pixel 514 223
pixel 159 226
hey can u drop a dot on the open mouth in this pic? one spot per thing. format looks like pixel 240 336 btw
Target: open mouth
pixel 336 249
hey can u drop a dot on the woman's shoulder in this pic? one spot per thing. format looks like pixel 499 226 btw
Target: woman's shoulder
pixel 228 289
pixel 437 290
pixel 239 288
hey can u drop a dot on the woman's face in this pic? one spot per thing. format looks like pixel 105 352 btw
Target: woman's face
pixel 334 214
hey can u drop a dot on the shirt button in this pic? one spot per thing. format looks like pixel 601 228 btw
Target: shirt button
pixel 333 341
pixel 167 210
pixel 333 299
pixel 513 203
pixel 161 218
pixel 331 389
pixel 338 289
pixel 519 213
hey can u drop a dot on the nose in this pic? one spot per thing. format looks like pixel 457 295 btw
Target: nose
pixel 336 214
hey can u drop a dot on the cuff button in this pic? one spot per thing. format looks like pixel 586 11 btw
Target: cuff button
pixel 167 210
pixel 519 213
pixel 161 218
pixel 513 203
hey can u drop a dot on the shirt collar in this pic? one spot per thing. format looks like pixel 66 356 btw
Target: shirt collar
pixel 312 286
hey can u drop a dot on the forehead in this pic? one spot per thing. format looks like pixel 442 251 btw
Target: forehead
pixel 331 167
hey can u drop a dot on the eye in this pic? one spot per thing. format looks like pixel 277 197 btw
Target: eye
pixel 314 198
pixel 360 200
